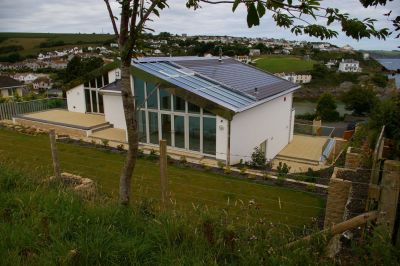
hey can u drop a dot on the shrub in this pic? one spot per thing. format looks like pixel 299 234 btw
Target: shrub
pixel 140 153
pixel 120 147
pixel 258 158
pixel 105 142
pixel 153 155
pixel 221 164
pixel 227 170
pixel 283 169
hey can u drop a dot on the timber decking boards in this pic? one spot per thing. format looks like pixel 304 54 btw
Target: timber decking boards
pixel 68 118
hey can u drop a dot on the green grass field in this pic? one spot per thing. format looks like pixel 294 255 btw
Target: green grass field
pixel 31 41
pixel 278 63
pixel 189 187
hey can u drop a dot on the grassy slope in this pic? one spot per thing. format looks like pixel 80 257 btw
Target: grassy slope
pixel 276 64
pixel 42 223
pixel 31 41
pixel 186 185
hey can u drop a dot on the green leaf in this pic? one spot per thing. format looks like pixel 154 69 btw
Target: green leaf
pixel 235 5
pixel 252 16
pixel 260 9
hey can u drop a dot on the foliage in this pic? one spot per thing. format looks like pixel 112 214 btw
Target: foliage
pixel 380 80
pixel 360 100
pixel 10 49
pixel 91 75
pixel 12 58
pixel 105 142
pixel 78 67
pixel 52 43
pixel 387 113
pixel 326 107
pixel 290 15
pixel 221 164
pixel 283 169
pixel 258 158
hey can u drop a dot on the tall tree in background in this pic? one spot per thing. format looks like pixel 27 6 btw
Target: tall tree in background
pixel 301 17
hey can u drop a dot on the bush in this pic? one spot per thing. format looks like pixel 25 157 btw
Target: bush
pixel 105 142
pixel 326 107
pixel 258 158
pixel 283 169
pixel 221 164
pixel 183 160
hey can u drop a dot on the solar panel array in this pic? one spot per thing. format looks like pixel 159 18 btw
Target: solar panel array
pixel 197 84
pixel 239 76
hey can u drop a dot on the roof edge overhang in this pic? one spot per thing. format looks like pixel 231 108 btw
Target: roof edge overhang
pixel 185 94
pixel 270 98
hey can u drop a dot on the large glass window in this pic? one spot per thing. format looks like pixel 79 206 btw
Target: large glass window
pixel 94 101
pixel 141 121
pixel 151 96
pixel 99 82
pixel 165 100
pixel 93 83
pixel 209 135
pixel 153 127
pixel 179 123
pixel 101 104
pixel 192 108
pixel 138 85
pixel 179 104
pixel 166 127
pixel 87 101
pixel 105 78
pixel 194 133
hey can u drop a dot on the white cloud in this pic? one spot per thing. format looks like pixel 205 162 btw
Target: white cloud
pixel 91 16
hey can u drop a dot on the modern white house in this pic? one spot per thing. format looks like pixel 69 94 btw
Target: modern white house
pixel 215 107
pixel 349 65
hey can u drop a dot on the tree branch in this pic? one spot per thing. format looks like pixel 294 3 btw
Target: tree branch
pixel 112 19
pixel 146 15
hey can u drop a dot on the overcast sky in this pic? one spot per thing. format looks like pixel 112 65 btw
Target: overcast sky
pixel 87 16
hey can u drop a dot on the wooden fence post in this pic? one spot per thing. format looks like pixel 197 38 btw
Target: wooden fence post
pixel 54 154
pixel 389 195
pixel 163 173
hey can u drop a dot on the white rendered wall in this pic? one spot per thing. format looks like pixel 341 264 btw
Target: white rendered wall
pixel 221 138
pixel 114 75
pixel 114 111
pixel 76 99
pixel 269 121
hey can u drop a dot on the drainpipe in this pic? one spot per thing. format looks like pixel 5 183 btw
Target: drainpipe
pixel 228 148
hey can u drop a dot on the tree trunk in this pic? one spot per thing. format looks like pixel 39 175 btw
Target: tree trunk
pixel 133 141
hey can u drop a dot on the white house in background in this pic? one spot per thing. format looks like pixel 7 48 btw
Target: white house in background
pixel 10 87
pixel 216 107
pixel 295 78
pixel 349 65
pixel 26 78
pixel 254 52
pixel 42 83
pixel 243 58
pixel 347 48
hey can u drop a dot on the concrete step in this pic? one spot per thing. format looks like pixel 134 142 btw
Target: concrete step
pixel 297 160
pixel 102 127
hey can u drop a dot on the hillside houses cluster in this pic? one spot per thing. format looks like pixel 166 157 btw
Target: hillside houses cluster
pixel 295 78
pixel 35 64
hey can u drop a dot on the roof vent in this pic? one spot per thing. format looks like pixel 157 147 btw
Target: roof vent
pixel 220 54
pixel 255 91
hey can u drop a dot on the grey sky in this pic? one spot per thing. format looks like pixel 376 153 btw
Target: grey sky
pixel 89 16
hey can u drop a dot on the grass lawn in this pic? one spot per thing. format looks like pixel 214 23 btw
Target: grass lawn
pixel 278 63
pixel 189 187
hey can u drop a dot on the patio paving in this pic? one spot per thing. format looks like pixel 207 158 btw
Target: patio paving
pixel 112 134
pixel 67 118
pixel 303 149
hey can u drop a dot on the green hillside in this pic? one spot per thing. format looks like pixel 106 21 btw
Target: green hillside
pixel 30 44
pixel 278 63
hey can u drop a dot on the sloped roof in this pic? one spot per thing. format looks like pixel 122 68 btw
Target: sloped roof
pixel 227 82
pixel 6 82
